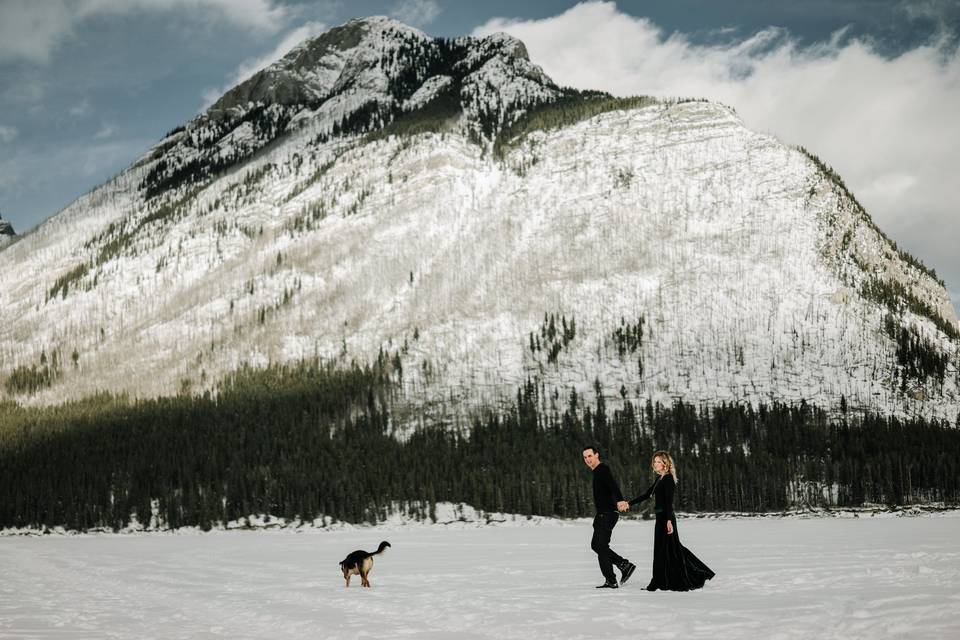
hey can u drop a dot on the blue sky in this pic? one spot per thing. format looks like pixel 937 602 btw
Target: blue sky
pixel 871 86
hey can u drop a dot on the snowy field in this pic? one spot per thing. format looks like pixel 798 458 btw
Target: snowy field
pixel 868 577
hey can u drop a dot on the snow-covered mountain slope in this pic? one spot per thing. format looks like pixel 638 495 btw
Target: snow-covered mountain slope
pixel 662 250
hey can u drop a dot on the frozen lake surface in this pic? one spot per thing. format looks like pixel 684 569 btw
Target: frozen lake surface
pixel 868 577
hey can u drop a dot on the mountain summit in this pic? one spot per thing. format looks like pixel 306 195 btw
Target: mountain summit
pixel 442 205
pixel 384 61
pixel 357 78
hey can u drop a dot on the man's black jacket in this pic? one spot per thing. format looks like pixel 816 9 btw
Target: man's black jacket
pixel 606 493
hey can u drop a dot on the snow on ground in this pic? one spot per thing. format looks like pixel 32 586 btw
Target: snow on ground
pixel 867 577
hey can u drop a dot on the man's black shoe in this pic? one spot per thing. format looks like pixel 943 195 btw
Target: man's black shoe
pixel 607 585
pixel 626 571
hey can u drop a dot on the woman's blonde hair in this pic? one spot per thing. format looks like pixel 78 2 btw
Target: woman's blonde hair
pixel 668 465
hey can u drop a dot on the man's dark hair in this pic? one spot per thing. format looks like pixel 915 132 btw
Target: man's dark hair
pixel 592 448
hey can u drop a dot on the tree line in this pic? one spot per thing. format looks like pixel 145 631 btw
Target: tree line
pixel 310 440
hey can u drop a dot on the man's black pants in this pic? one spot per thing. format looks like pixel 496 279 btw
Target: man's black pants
pixel 603 524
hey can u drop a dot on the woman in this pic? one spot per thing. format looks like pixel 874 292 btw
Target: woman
pixel 674 567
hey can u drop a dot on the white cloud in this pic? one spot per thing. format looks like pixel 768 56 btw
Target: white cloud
pixel 31 30
pixel 106 131
pixel 26 92
pixel 943 12
pixel 7 134
pixel 81 109
pixel 416 13
pixel 888 125
pixel 249 67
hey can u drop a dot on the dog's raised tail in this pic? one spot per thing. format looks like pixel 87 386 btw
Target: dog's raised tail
pixel 383 546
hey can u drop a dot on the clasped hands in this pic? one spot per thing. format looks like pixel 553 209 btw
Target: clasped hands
pixel 623 505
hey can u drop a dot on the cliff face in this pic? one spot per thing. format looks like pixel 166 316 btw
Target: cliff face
pixel 442 203
pixel 7 234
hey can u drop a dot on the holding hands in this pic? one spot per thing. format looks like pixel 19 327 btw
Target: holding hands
pixel 623 505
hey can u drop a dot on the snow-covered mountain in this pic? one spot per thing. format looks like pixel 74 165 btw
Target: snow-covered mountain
pixel 445 205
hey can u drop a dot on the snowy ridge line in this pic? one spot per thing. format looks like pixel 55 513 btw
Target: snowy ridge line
pixel 463 516
pixel 445 514
pixel 871 510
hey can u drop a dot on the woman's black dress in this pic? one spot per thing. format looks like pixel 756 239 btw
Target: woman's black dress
pixel 675 568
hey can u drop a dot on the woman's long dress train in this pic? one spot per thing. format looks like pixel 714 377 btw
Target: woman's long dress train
pixel 675 568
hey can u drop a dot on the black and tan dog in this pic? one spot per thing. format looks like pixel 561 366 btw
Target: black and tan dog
pixel 360 563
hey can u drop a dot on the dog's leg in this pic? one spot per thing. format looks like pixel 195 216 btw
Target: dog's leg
pixel 365 568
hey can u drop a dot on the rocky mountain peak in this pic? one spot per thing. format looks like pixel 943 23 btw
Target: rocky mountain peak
pixel 377 54
pixel 312 70
pixel 504 44
pixel 355 79
pixel 6 229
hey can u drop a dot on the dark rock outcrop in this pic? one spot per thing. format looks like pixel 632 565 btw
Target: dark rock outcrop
pixel 6 231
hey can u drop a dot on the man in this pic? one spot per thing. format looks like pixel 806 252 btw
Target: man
pixel 606 496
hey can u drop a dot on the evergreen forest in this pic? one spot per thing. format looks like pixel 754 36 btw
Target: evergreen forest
pixel 309 440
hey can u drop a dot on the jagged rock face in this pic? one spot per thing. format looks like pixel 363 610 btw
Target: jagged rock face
pixel 6 232
pixel 380 56
pixel 304 76
pixel 354 78
pixel 661 251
